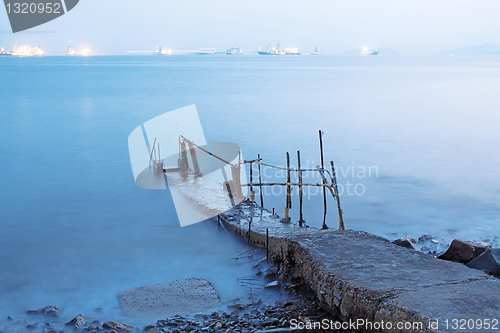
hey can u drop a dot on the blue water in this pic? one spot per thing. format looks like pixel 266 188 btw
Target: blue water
pixel 76 230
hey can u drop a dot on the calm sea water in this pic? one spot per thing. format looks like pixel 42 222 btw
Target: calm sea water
pixel 76 230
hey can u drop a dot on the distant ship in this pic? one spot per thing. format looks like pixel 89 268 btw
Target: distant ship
pixel 23 51
pixel 275 51
pixel 72 52
pixel 366 52
pixel 206 51
pixel 160 51
pixel 27 51
pixel 315 51
pixel 292 51
pixel 234 50
pixel 3 52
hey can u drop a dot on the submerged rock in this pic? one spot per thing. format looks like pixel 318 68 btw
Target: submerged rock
pixel 77 322
pixel 48 311
pixel 406 241
pixel 462 250
pixel 119 327
pixel 488 261
pixel 165 299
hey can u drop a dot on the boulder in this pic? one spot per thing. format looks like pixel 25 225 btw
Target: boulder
pixel 119 327
pixel 77 322
pixel 167 299
pixel 48 311
pixel 489 262
pixel 462 250
pixel 406 241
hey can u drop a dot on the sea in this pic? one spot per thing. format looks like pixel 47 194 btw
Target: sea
pixel 414 141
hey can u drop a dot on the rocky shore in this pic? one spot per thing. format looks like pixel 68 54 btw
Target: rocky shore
pixel 255 316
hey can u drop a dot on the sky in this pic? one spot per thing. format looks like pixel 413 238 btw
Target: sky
pixel 334 26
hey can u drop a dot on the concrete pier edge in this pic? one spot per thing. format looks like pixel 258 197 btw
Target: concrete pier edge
pixel 365 279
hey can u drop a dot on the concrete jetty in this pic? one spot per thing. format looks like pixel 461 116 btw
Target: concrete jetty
pixel 370 283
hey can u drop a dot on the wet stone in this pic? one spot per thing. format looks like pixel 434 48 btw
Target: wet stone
pixel 462 250
pixel 406 241
pixel 48 311
pixel 489 262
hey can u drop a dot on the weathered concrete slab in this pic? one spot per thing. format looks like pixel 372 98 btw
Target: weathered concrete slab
pixel 166 299
pixel 364 277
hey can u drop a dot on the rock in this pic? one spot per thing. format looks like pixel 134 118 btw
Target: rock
pixel 406 241
pixel 462 250
pixel 488 261
pixel 427 237
pixel 274 284
pixel 48 311
pixel 163 299
pixel 77 322
pixel 236 306
pixel 119 327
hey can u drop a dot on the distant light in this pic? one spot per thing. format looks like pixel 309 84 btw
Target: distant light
pixel 365 49
pixel 451 54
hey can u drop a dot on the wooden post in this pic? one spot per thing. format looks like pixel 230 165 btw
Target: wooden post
pixel 324 189
pixel 260 182
pixel 341 218
pixel 183 163
pixel 301 218
pixel 236 183
pixel 196 166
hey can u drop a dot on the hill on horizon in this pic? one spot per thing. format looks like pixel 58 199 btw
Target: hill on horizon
pixel 483 49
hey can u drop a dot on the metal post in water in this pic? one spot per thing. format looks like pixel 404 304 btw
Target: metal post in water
pixel 251 178
pixel 288 186
pixel 324 189
pixel 341 218
pixel 267 243
pixel 260 182
pixel 301 218
pixel 249 229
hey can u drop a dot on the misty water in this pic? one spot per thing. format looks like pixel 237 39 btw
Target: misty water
pixel 414 140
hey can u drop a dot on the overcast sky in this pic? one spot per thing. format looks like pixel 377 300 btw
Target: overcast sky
pixel 334 26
